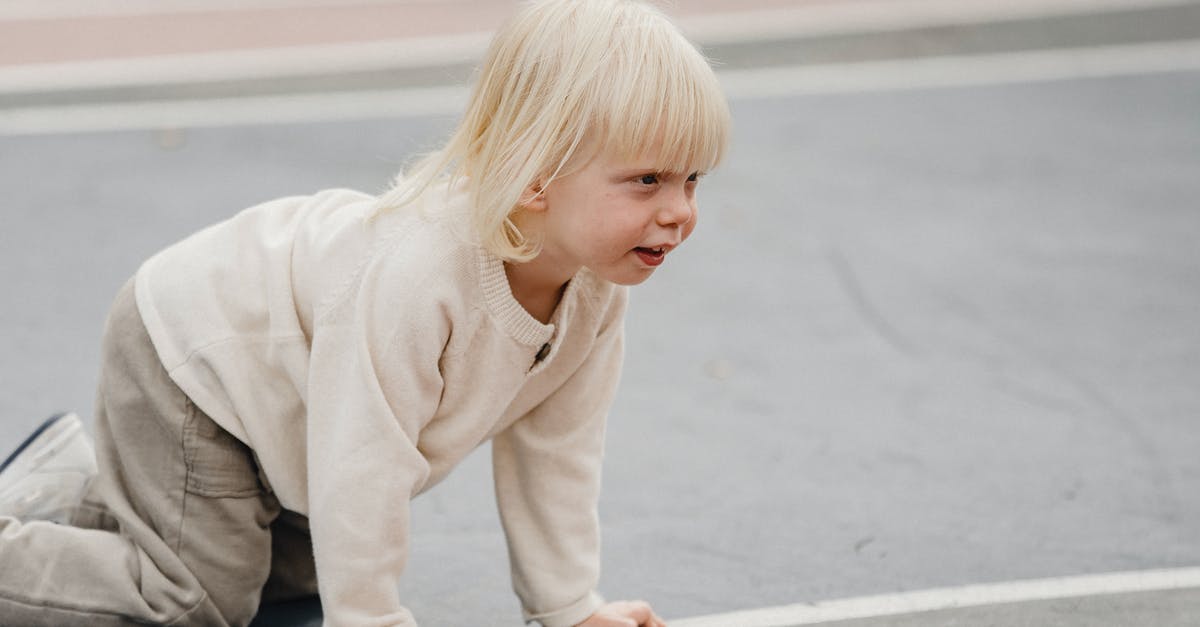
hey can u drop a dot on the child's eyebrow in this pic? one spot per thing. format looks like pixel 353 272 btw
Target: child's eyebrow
pixel 660 172
pixel 647 169
pixel 628 173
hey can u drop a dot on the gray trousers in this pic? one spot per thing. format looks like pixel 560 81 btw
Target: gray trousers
pixel 177 529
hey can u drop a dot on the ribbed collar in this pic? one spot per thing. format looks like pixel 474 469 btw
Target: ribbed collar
pixel 509 313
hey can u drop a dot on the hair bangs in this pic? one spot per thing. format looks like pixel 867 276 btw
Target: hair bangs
pixel 658 99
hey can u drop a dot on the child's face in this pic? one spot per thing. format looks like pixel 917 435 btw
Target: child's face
pixel 618 217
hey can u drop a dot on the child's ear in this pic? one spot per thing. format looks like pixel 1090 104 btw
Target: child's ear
pixel 534 198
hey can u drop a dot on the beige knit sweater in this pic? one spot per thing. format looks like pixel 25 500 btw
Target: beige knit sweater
pixel 362 359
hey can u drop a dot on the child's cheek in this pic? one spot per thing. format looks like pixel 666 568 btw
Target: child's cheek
pixel 690 225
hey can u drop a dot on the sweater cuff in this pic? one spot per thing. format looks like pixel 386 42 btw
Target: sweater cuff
pixel 570 615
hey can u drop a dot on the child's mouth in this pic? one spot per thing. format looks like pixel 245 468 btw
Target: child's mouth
pixel 650 256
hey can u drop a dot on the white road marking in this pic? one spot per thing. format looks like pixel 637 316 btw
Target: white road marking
pixel 225 112
pixel 866 16
pixel 951 598
pixel 890 75
pixel 244 64
pixel 963 71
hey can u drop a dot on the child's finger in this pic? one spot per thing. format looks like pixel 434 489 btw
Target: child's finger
pixel 643 614
pixel 638 613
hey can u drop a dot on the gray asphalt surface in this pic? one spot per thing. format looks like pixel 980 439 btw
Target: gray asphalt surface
pixel 921 338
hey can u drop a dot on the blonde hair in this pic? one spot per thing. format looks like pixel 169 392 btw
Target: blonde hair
pixel 615 76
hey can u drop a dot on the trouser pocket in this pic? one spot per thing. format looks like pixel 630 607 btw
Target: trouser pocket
pixel 218 464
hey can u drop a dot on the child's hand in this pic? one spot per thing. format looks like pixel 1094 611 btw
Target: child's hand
pixel 624 614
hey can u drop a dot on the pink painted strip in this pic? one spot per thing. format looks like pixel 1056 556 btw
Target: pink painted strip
pixel 29 41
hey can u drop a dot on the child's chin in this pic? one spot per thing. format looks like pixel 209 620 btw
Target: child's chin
pixel 631 278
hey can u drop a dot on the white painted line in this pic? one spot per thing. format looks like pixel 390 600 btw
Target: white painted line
pixel 891 75
pixel 867 16
pixel 244 64
pixel 386 104
pixel 962 71
pixel 951 598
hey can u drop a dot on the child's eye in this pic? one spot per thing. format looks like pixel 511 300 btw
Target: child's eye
pixel 649 179
pixel 693 177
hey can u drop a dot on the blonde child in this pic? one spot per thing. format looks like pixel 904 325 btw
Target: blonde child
pixel 275 389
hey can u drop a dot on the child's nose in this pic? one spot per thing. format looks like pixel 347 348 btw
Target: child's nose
pixel 678 209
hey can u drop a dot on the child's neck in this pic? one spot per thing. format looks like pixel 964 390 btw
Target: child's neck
pixel 536 287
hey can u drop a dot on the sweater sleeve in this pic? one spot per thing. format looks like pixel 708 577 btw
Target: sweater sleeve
pixel 371 390
pixel 546 468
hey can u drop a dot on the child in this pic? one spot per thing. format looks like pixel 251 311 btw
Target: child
pixel 276 388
